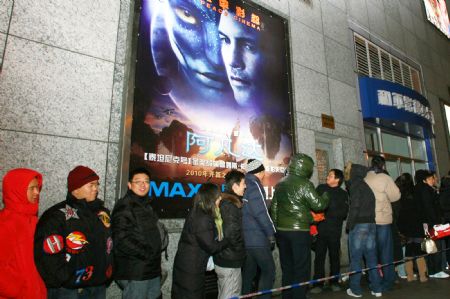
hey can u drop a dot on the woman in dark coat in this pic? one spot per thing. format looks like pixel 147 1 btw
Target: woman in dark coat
pixel 410 225
pixel 427 198
pixel 444 200
pixel 197 244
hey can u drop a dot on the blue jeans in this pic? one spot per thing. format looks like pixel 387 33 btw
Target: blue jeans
pixel 362 244
pixel 295 260
pixel 98 292
pixel 258 258
pixel 385 251
pixel 140 289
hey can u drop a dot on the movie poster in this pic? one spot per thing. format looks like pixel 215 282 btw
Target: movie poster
pixel 212 89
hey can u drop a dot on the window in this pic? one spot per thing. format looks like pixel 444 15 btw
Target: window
pixel 371 139
pixel 374 62
pixel 395 145
pixel 418 149
pixel 403 153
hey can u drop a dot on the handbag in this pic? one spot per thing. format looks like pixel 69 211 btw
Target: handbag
pixel 428 244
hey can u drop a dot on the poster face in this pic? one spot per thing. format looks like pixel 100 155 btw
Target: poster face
pixel 212 89
pixel 437 14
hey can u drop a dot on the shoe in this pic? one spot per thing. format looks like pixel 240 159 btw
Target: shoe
pixel 350 293
pixel 344 278
pixel 316 290
pixel 403 276
pixel 379 294
pixel 335 287
pixel 441 274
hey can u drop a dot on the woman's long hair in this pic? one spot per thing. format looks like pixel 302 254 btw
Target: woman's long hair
pixel 206 198
pixel 405 183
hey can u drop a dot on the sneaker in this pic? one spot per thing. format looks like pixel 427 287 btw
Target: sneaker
pixel 441 274
pixel 335 287
pixel 350 293
pixel 316 290
pixel 403 276
pixel 379 294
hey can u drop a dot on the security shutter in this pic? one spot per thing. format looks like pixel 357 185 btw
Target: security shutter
pixel 361 56
pixel 397 70
pixel 375 62
pixel 375 65
pixel 386 66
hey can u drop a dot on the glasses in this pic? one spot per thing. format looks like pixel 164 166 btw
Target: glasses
pixel 141 182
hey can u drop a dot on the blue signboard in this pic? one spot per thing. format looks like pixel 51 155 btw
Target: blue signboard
pixel 393 102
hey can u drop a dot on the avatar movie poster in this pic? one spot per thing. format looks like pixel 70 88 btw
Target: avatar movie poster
pixel 212 89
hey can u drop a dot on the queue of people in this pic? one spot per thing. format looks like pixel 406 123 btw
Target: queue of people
pixel 77 247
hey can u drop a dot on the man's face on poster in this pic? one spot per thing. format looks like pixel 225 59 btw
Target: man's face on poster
pixel 243 57
pixel 193 35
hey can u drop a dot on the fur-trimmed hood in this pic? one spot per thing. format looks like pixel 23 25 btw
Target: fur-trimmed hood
pixel 233 198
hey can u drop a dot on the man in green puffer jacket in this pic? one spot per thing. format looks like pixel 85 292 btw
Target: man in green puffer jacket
pixel 293 200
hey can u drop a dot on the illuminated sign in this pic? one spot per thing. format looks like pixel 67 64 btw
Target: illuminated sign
pixel 437 14
pixel 212 89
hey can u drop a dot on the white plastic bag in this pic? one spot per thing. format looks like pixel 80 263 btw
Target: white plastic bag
pixel 210 265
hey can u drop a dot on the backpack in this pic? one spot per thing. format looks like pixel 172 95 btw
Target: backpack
pixel 164 235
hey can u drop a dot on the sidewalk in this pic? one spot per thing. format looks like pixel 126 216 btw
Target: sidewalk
pixel 433 289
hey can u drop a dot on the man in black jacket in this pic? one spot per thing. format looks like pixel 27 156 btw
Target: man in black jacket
pixel 330 230
pixel 137 243
pixel 228 262
pixel 73 241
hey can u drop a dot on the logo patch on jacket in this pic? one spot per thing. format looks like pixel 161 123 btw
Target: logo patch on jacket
pixel 104 217
pixel 75 241
pixel 109 245
pixel 70 212
pixel 53 244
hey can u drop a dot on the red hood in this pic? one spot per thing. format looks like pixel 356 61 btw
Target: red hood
pixel 15 186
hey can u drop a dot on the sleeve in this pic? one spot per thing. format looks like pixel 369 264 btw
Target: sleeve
pixel 274 207
pixel 427 203
pixel 315 201
pixel 353 209
pixel 49 250
pixel 392 191
pixel 205 237
pixel 11 280
pixel 127 240
pixel 343 205
pixel 231 222
pixel 258 209
pixel 320 189
pixel 444 201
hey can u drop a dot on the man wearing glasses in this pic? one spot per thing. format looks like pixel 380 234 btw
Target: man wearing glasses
pixel 137 242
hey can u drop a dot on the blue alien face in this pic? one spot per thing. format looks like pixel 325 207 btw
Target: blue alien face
pixel 193 33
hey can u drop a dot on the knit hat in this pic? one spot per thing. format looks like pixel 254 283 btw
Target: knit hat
pixel 79 176
pixel 254 166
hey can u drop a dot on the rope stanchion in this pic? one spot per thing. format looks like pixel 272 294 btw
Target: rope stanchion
pixel 313 281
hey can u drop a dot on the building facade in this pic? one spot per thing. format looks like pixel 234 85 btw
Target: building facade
pixel 66 86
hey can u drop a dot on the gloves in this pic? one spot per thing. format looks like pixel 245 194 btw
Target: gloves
pixel 272 242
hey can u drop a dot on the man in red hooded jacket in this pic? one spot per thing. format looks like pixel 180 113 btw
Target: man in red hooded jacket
pixel 19 277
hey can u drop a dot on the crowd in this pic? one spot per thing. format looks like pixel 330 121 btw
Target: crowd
pixel 77 247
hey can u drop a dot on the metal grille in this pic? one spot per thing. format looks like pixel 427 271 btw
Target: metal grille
pixel 361 56
pixel 386 66
pixel 374 62
pixel 397 71
pixel 375 65
pixel 415 80
pixel 406 76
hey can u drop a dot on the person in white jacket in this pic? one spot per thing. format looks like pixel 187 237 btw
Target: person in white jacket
pixel 386 192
